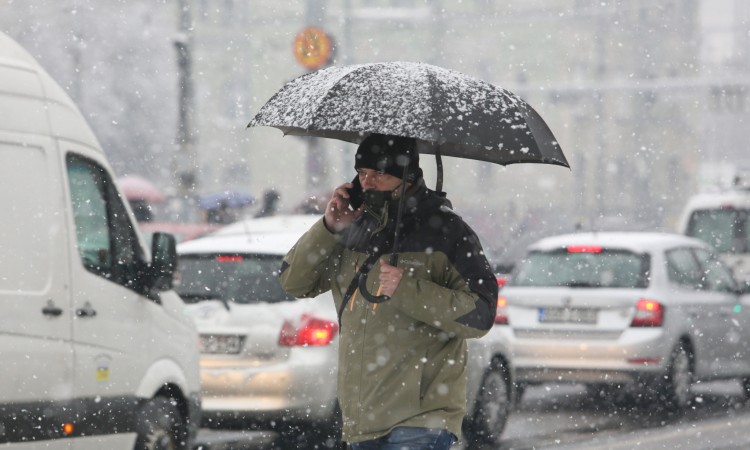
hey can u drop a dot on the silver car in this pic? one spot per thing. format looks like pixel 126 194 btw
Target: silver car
pixel 652 312
pixel 268 359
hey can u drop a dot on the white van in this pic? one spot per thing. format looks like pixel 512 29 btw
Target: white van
pixel 96 351
pixel 722 219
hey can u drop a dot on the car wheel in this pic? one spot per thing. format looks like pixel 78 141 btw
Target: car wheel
pixel 160 426
pixel 491 407
pixel 746 387
pixel 679 379
pixel 520 389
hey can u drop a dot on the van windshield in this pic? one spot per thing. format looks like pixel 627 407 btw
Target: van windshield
pixel 239 278
pixel 600 269
pixel 727 229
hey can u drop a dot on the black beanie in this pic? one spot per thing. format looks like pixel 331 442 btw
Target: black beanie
pixel 389 154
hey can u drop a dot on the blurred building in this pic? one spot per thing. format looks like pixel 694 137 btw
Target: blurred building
pixel 648 98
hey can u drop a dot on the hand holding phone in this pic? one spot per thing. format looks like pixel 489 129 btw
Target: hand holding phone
pixel 344 206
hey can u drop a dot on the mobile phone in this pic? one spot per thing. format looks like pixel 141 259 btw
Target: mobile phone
pixel 355 194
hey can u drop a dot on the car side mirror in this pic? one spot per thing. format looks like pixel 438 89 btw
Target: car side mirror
pixel 163 261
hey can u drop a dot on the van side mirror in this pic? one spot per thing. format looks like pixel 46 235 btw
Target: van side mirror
pixel 503 268
pixel 163 261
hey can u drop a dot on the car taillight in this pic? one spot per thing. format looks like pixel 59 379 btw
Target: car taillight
pixel 648 313
pixel 501 317
pixel 501 281
pixel 584 249
pixel 310 331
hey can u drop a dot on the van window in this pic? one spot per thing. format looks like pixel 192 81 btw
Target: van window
pixel 726 230
pixel 107 243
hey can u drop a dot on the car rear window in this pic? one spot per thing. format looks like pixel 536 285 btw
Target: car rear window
pixel 727 229
pixel 237 278
pixel 600 268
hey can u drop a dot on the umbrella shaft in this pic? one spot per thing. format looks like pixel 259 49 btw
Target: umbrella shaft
pixel 399 215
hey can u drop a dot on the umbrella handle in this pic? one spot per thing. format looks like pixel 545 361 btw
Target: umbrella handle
pixel 363 285
pixel 366 294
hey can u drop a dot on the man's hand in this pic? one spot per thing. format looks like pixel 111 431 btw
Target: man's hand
pixel 390 277
pixel 338 216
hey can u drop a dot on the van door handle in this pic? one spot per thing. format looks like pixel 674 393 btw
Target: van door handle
pixel 51 310
pixel 86 311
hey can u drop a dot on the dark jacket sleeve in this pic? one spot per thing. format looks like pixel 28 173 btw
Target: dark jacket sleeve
pixel 304 270
pixel 466 303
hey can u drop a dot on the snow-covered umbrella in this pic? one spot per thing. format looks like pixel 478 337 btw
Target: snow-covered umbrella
pixel 451 113
pixel 448 112
pixel 226 199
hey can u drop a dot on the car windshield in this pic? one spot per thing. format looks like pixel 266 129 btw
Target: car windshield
pixel 583 269
pixel 727 230
pixel 236 278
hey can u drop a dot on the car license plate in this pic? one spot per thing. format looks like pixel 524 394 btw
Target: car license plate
pixel 226 344
pixel 567 315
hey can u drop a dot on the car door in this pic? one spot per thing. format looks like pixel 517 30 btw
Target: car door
pixel 702 308
pixel 731 320
pixel 35 341
pixel 111 335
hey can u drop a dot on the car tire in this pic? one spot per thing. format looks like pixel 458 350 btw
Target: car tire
pixel 678 381
pixel 519 391
pixel 491 407
pixel 160 426
pixel 746 387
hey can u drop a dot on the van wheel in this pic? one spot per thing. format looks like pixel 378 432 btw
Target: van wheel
pixel 491 407
pixel 679 379
pixel 160 426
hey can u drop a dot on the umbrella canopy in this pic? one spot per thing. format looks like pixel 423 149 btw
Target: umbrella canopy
pixel 455 114
pixel 136 188
pixel 227 199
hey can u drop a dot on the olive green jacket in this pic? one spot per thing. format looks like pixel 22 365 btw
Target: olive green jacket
pixel 401 362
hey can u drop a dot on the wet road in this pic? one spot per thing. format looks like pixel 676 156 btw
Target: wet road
pixel 570 417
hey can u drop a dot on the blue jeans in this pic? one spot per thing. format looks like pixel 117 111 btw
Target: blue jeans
pixel 410 438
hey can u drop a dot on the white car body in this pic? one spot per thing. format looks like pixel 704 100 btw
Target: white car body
pixel 262 380
pixel 608 334
pixel 83 336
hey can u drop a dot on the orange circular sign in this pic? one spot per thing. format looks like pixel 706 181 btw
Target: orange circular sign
pixel 313 48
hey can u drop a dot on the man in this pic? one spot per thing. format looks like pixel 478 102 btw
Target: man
pixel 402 362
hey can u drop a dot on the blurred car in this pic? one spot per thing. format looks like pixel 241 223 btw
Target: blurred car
pixel 653 312
pixel 722 220
pixel 268 358
pixel 181 231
